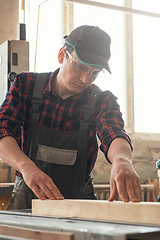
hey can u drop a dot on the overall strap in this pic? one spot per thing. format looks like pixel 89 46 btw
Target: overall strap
pixel 88 109
pixel 36 101
pixel 37 97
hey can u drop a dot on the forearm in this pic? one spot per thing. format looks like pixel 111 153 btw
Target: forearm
pixel 12 155
pixel 124 180
pixel 119 150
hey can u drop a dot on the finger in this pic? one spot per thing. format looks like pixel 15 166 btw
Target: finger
pixel 51 191
pixel 137 190
pixel 45 192
pixel 121 188
pixel 133 190
pixel 38 193
pixel 130 191
pixel 43 195
pixel 54 191
pixel 113 191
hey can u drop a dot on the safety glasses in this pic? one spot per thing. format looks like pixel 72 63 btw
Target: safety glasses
pixel 83 69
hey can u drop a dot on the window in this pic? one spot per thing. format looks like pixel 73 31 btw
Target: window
pixel 135 51
pixel 146 65
pixel 113 23
pixel 44 44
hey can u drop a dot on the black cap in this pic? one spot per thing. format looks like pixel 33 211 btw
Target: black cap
pixel 91 45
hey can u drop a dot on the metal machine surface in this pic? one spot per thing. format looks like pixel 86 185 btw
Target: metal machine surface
pixel 81 229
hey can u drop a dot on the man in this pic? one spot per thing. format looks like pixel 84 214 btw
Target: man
pixel 49 140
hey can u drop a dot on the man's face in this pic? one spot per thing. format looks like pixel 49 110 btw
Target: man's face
pixel 75 76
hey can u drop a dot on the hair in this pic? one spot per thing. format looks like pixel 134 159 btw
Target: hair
pixel 68 48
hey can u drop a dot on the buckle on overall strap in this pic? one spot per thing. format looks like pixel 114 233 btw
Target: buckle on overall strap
pixel 36 102
pixel 87 113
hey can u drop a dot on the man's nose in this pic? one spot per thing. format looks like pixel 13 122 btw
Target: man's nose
pixel 85 77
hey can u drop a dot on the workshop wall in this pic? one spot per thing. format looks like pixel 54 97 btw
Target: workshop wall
pixel 9 19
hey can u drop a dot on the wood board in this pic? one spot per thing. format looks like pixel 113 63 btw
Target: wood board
pixel 34 234
pixel 143 213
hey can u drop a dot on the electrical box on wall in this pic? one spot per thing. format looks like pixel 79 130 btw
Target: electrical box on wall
pixel 14 58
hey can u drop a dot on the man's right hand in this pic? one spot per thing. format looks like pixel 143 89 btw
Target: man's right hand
pixel 40 183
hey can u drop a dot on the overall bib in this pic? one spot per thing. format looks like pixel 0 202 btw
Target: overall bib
pixel 62 155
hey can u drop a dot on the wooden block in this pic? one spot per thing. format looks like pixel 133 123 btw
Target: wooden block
pixel 29 233
pixel 143 213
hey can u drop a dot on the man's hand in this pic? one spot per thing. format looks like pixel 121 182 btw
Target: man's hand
pixel 40 183
pixel 124 180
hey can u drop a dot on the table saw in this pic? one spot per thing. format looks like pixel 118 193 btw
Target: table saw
pixel 74 228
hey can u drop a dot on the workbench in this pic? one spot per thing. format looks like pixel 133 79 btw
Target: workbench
pixel 81 229
pixel 6 188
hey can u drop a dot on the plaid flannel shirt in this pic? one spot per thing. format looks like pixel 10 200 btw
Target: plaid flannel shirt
pixel 106 122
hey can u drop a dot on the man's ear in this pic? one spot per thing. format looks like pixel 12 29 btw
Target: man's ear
pixel 61 55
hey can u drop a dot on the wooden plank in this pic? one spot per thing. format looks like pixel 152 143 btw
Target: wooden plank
pixel 29 233
pixel 143 213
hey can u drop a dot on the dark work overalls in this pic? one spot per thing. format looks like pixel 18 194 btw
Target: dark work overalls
pixel 62 155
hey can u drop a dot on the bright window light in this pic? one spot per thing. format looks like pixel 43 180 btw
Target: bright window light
pixel 146 53
pixel 113 23
pixel 49 35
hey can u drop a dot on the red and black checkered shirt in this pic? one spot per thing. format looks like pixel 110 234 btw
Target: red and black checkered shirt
pixel 61 114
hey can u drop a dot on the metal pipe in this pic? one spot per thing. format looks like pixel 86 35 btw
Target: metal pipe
pixel 37 33
pixel 118 8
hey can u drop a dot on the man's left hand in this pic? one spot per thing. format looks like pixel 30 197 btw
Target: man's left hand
pixel 124 181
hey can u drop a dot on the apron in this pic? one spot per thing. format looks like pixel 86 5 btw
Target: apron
pixel 62 155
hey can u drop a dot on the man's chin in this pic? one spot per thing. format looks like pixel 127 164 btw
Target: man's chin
pixel 79 88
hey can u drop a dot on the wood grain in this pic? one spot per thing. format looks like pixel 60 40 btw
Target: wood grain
pixel 29 233
pixel 143 213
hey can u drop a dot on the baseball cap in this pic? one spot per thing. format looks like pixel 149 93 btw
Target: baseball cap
pixel 91 45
